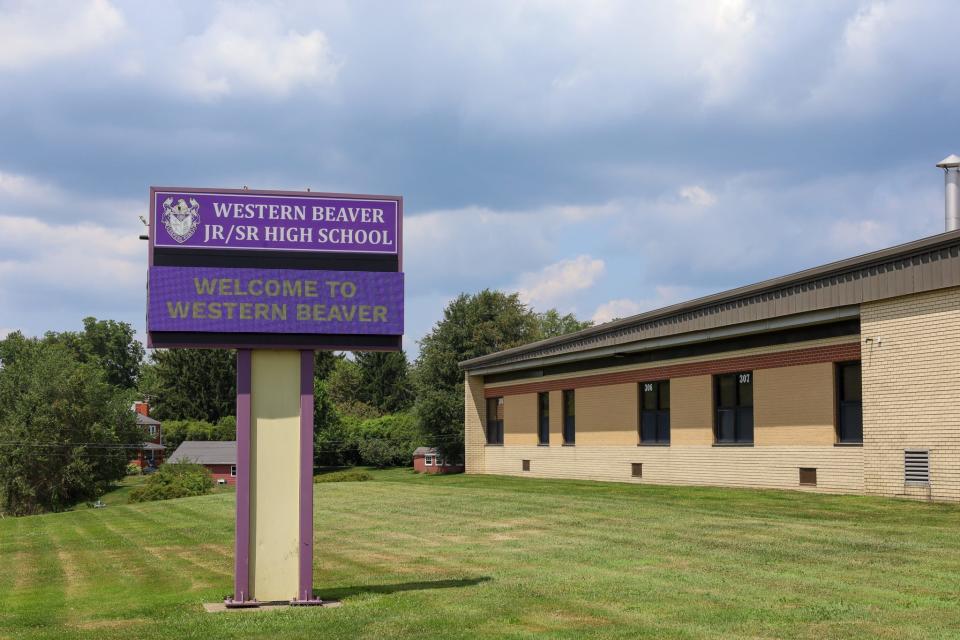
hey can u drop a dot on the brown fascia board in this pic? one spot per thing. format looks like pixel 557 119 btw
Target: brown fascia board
pixel 833 268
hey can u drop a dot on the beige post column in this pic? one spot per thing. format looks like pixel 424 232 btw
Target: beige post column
pixel 274 475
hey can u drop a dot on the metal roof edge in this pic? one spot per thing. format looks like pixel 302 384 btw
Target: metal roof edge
pixel 832 268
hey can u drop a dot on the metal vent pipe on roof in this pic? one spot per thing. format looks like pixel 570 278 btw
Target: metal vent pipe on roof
pixel 951 171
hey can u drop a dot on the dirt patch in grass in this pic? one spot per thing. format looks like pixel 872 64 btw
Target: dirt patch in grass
pixel 72 577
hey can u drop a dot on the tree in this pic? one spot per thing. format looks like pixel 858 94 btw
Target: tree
pixel 343 386
pixel 472 326
pixel 192 384
pixel 111 345
pixel 324 363
pixel 551 324
pixel 384 381
pixel 65 432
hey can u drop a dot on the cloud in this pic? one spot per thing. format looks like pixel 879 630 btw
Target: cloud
pixel 26 196
pixel 557 282
pixel 246 49
pixel 698 196
pixel 619 308
pixel 32 33
pixel 21 188
pixel 52 264
pixel 860 235
pixel 664 296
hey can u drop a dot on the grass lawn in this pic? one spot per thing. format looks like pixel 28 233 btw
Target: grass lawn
pixel 466 557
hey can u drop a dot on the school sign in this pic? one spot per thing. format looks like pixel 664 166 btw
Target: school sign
pixel 274 275
pixel 252 268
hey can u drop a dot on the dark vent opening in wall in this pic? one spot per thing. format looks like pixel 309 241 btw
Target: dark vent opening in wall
pixel 808 477
pixel 916 466
pixel 526 465
pixel 636 469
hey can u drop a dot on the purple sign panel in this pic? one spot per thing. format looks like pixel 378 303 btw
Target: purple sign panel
pixel 275 221
pixel 221 299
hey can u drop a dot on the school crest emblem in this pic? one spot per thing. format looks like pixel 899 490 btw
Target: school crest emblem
pixel 181 219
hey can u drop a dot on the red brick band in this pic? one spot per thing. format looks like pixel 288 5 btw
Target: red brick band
pixel 831 353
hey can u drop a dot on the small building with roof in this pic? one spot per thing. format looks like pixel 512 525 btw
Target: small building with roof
pixel 429 460
pixel 219 457
pixel 151 453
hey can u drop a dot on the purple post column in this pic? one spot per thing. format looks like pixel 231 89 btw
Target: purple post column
pixel 241 579
pixel 306 476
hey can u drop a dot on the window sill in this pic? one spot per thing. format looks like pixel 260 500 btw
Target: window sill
pixel 848 444
pixel 493 444
pixel 543 444
pixel 654 444
pixel 733 444
pixel 571 444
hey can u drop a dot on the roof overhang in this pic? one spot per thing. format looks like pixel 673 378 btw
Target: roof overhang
pixel 811 318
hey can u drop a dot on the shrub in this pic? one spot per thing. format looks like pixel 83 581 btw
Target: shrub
pixel 176 480
pixel 134 469
pixel 388 441
pixel 377 453
pixel 351 475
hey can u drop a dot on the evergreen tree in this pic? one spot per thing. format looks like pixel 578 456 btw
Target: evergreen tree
pixel 192 384
pixel 384 381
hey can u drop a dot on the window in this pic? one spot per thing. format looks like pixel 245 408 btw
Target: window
pixel 543 418
pixel 526 465
pixel 849 404
pixel 569 418
pixel 636 469
pixel 655 412
pixel 153 430
pixel 734 401
pixel 428 460
pixel 495 420
pixel 808 476
pixel 233 471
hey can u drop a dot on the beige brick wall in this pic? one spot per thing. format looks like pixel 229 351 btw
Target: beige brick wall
pixel 794 427
pixel 475 417
pixel 794 405
pixel 691 411
pixel 520 419
pixel 911 391
pixel 839 469
pixel 607 416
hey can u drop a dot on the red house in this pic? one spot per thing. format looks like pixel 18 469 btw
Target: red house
pixel 427 460
pixel 150 454
pixel 220 458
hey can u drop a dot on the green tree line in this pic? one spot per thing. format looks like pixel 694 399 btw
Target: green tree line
pixel 67 432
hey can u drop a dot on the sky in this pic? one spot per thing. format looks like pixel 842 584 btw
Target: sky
pixel 601 157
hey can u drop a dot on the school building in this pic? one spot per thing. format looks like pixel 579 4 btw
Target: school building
pixel 844 378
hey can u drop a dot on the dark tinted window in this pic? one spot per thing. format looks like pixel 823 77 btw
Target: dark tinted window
pixel 849 405
pixel 494 420
pixel 734 419
pixel 655 412
pixel 543 418
pixel 569 417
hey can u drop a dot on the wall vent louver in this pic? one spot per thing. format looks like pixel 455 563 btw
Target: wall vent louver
pixel 916 466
